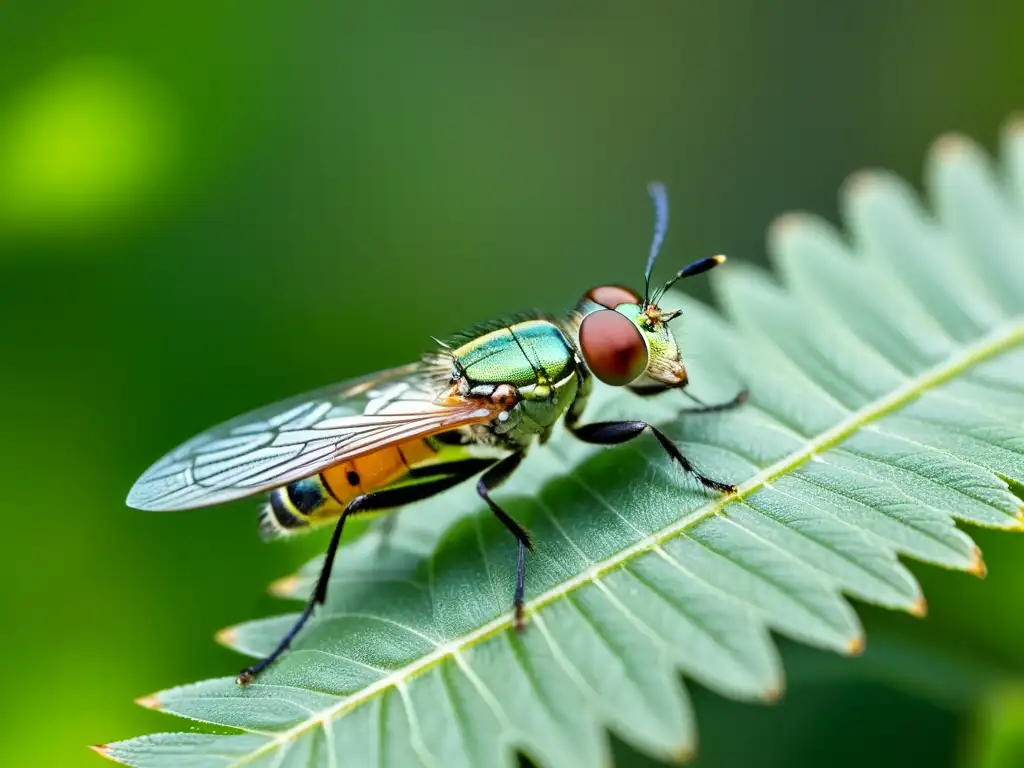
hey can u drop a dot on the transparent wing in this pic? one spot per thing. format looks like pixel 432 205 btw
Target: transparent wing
pixel 295 438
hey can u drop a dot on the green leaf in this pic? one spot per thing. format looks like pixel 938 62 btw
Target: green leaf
pixel 886 371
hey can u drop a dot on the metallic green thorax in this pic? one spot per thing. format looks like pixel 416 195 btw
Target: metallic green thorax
pixel 520 354
pixel 539 357
pixel 534 356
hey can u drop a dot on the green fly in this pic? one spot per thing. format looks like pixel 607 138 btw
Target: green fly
pixel 471 407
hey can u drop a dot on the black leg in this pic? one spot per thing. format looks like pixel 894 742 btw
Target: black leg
pixel 462 468
pixel 650 390
pixel 614 432
pixel 386 499
pixel 491 479
pixel 728 405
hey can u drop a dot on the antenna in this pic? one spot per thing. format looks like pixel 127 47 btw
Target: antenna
pixel 660 197
pixel 698 267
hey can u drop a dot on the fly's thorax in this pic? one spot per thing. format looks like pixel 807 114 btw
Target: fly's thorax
pixel 540 407
pixel 530 410
pixel 518 353
pixel 532 364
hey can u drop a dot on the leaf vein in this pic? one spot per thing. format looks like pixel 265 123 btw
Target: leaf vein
pixel 996 341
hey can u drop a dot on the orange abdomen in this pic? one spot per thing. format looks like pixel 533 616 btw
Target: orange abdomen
pixel 321 498
pixel 378 470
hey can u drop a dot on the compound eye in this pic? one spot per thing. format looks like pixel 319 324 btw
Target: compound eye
pixel 613 347
pixel 611 296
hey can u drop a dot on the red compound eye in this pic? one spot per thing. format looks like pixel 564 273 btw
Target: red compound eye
pixel 613 347
pixel 611 296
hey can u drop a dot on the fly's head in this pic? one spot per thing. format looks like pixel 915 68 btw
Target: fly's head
pixel 623 336
pixel 623 339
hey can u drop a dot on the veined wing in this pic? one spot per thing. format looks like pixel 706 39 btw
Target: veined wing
pixel 295 438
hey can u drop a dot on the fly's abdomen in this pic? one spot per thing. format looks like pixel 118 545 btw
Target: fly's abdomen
pixel 310 502
pixel 290 509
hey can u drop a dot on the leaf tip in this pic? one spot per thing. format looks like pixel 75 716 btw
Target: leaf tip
pixel 684 755
pixel 152 701
pixel 774 692
pixel 103 750
pixel 861 183
pixel 855 647
pixel 227 636
pixel 951 145
pixel 919 607
pixel 977 566
pixel 284 587
pixel 785 225
pixel 1015 125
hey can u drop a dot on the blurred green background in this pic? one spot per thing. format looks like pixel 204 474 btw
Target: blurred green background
pixel 205 206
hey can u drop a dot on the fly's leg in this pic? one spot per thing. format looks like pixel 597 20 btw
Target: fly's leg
pixel 649 390
pixel 463 469
pixel 728 405
pixel 378 500
pixel 615 432
pixel 657 389
pixel 490 480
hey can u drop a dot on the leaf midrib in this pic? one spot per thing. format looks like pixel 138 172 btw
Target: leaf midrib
pixel 998 340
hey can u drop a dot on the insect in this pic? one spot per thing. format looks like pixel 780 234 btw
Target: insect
pixel 471 407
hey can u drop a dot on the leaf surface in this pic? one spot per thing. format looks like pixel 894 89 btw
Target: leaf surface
pixel 886 370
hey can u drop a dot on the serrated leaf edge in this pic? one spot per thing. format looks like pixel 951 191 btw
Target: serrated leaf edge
pixel 1001 338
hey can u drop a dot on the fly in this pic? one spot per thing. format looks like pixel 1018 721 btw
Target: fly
pixel 471 407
